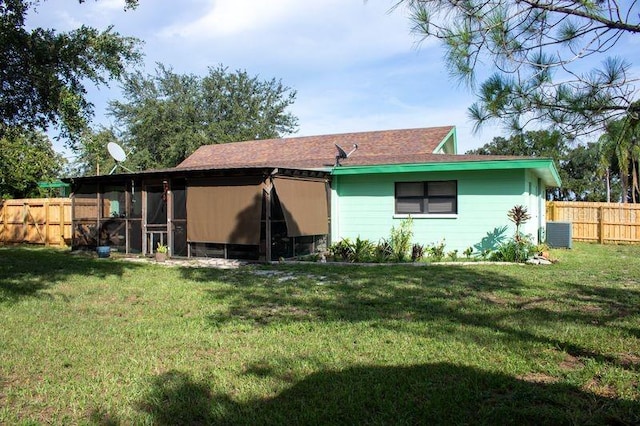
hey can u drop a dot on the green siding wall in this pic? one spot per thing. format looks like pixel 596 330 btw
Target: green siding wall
pixel 363 205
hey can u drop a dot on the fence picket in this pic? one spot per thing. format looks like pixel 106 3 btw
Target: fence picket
pixel 45 215
pixel 598 222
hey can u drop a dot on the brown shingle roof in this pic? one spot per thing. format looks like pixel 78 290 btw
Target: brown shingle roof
pixel 379 147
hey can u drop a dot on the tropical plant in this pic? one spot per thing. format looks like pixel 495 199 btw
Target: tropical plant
pixel 519 216
pixel 362 250
pixel 468 252
pixel 453 255
pixel 400 240
pixel 417 252
pixel 342 249
pixel 515 250
pixel 437 251
pixel 620 143
pixel 382 251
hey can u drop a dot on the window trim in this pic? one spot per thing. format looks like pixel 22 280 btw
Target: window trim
pixel 424 200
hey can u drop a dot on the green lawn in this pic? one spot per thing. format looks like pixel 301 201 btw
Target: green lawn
pixel 105 341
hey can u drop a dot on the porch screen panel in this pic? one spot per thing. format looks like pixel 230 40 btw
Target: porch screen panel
pixel 305 207
pixel 228 214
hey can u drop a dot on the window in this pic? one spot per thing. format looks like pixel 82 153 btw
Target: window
pixel 436 197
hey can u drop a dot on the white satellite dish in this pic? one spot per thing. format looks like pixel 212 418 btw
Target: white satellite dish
pixel 118 154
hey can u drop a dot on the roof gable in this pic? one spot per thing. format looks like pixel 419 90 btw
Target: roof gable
pixel 320 151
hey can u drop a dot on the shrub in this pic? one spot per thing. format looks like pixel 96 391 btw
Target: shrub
pixel 453 255
pixel 400 240
pixel 363 250
pixel 468 252
pixel 342 249
pixel 515 250
pixel 437 251
pixel 417 252
pixel 382 251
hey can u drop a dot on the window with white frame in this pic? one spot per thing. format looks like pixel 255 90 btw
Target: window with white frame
pixel 430 197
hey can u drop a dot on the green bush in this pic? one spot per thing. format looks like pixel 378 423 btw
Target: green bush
pixel 363 250
pixel 436 251
pixel 342 250
pixel 400 240
pixel 515 250
pixel 382 251
pixel 417 252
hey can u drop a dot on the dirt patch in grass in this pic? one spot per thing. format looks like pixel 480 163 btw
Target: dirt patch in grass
pixel 596 386
pixel 629 360
pixel 538 378
pixel 571 362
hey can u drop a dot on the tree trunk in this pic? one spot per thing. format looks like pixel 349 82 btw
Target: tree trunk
pixel 608 183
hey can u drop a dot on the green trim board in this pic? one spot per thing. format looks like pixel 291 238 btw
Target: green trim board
pixel 449 144
pixel 543 167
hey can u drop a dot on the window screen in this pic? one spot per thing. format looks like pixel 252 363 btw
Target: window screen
pixel 431 197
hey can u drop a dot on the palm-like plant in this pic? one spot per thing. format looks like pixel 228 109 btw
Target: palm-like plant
pixel 620 142
pixel 519 216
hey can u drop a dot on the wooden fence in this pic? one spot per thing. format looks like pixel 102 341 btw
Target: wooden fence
pixel 598 222
pixel 36 221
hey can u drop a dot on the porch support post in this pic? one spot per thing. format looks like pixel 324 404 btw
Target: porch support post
pixel 268 187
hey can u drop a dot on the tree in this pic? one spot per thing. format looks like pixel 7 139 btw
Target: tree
pixel 539 50
pixel 25 159
pixel 92 156
pixel 167 116
pixel 583 177
pixel 619 147
pixel 44 72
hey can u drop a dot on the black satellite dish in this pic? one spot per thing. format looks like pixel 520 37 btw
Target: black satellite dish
pixel 342 154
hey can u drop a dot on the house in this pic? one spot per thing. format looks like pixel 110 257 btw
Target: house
pixel 266 199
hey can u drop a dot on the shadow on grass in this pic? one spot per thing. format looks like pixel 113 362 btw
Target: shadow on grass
pixel 440 393
pixel 27 271
pixel 482 300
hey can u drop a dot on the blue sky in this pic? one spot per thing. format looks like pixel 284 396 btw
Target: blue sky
pixel 354 64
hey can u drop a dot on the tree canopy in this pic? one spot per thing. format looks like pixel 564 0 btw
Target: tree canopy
pixel 583 178
pixel 26 157
pixel 167 116
pixel 539 50
pixel 44 72
pixel 620 151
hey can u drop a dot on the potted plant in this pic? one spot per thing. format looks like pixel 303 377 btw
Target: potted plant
pixel 161 252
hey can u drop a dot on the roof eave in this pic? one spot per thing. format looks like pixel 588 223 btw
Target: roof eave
pixel 544 168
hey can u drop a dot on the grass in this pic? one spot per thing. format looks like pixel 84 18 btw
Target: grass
pixel 90 341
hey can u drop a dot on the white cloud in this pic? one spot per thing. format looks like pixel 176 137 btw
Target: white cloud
pixel 231 17
pixel 329 34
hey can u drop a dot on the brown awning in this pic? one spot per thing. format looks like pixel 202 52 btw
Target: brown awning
pixel 224 213
pixel 304 204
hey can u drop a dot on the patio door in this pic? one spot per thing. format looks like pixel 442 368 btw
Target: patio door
pixel 156 216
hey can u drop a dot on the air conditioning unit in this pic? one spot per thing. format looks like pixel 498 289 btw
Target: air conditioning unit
pixel 559 234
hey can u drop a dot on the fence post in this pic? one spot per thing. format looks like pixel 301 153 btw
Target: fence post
pixel 601 224
pixel 4 222
pixel 62 222
pixel 47 219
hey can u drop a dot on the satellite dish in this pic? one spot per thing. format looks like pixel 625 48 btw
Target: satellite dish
pixel 342 154
pixel 118 154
